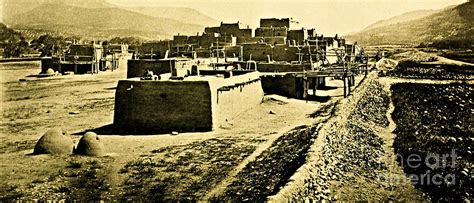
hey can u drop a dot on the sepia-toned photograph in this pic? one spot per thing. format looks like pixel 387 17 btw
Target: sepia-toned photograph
pixel 236 100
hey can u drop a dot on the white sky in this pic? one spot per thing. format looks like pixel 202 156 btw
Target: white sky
pixel 1 10
pixel 327 16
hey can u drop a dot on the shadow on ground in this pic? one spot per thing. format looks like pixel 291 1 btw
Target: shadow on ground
pixel 111 129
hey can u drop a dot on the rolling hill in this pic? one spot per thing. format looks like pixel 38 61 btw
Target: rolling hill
pixel 97 19
pixel 452 26
pixel 177 13
pixel 16 7
pixel 412 15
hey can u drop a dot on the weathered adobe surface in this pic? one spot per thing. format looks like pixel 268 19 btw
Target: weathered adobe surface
pixel 352 157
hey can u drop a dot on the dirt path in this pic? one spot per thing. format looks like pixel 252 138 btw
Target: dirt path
pixel 396 178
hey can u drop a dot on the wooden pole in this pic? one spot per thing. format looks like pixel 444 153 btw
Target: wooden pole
pixel 349 86
pixel 344 81
pixel 314 86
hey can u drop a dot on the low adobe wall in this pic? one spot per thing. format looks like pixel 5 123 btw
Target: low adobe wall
pixel 289 85
pixel 284 85
pixel 199 104
pixel 47 63
pixel 163 106
pixel 275 67
pixel 234 96
pixel 138 67
pixel 53 63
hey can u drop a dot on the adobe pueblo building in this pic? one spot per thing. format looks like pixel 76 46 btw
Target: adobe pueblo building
pixel 197 83
pixel 86 58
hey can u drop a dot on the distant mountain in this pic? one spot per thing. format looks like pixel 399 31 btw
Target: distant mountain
pixel 16 7
pixel 97 19
pixel 452 26
pixel 412 15
pixel 100 22
pixel 188 15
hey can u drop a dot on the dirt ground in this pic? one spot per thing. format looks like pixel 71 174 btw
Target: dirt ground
pixel 78 103
pixel 351 136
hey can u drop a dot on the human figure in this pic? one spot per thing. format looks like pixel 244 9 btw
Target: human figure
pixel 148 75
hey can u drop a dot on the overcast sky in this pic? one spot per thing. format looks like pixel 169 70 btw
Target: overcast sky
pixel 327 16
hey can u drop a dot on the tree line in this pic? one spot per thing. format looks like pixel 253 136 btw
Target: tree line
pixel 15 44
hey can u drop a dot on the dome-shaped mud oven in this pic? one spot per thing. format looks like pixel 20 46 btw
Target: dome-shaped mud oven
pixel 90 145
pixel 54 141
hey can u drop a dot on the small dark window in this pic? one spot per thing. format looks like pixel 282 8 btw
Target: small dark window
pixel 163 95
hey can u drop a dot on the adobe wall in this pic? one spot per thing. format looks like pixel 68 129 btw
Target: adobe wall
pixel 234 96
pixel 284 85
pixel 271 32
pixel 212 30
pixel 81 68
pixel 158 48
pixel 138 67
pixel 249 40
pixel 199 104
pixel 275 40
pixel 202 53
pixel 277 68
pixel 259 52
pixel 298 35
pixel 180 40
pixel 275 22
pixel 163 106
pixel 194 39
pixel 285 53
pixel 81 50
pixel 46 63
pixel 233 51
pixel 245 33
pixel 229 28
